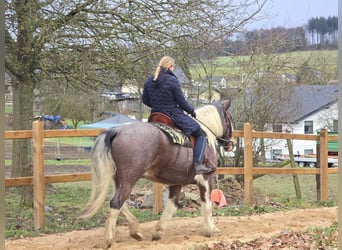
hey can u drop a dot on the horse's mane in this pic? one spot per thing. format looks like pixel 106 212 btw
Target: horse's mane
pixel 209 117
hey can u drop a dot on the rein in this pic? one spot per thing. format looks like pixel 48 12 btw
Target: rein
pixel 222 141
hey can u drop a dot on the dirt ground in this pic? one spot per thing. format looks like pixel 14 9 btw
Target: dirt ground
pixel 186 233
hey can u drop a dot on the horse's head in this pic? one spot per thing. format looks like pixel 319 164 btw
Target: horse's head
pixel 227 140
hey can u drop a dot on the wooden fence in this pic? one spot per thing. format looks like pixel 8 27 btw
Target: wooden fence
pixel 39 179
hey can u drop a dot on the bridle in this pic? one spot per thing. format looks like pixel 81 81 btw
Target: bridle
pixel 226 143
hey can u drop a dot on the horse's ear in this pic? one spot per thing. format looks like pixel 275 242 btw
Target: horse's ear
pixel 226 104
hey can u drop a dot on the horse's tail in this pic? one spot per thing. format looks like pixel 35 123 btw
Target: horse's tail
pixel 103 170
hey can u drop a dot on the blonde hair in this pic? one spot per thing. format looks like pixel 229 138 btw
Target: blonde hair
pixel 165 63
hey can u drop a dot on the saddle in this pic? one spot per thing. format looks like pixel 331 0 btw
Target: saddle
pixel 166 124
pixel 159 117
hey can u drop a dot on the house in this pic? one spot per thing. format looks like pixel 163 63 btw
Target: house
pixel 203 94
pixel 219 82
pixel 314 107
pixel 183 79
pixel 8 88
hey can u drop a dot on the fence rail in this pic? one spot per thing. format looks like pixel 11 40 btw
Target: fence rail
pixel 39 179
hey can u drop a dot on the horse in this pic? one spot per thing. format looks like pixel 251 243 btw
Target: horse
pixel 124 154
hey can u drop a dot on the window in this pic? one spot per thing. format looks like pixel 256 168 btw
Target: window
pixel 308 127
pixel 276 154
pixel 277 128
pixel 335 125
pixel 308 151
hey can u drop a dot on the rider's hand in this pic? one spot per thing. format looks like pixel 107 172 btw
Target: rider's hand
pixel 193 114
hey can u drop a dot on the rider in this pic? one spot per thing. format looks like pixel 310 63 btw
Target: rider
pixel 163 93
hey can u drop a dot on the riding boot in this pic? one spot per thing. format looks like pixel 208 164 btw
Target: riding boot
pixel 200 168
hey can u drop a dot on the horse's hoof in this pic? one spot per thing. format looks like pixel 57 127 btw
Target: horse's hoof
pixel 137 236
pixel 209 233
pixel 156 237
pixel 108 245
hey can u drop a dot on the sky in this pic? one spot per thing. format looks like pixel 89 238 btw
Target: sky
pixel 294 13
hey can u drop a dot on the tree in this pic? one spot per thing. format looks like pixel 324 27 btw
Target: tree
pixel 71 41
pixel 319 27
pixel 333 29
pixel 264 94
pixel 71 103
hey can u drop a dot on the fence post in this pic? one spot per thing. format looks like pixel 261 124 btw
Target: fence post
pixel 323 163
pixel 157 197
pixel 318 176
pixel 38 173
pixel 248 164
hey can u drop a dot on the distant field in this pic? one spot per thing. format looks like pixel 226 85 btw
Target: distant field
pixel 321 60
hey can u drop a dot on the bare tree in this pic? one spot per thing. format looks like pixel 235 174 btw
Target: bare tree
pixel 264 97
pixel 74 40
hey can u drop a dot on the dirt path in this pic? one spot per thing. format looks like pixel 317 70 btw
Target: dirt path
pixel 185 233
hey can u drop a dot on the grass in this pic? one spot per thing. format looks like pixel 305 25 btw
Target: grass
pixel 73 141
pixel 321 60
pixel 65 201
pixel 281 188
pixel 63 205
pixel 326 236
pixel 60 163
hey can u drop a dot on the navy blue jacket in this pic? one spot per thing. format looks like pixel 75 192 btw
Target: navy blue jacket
pixel 165 95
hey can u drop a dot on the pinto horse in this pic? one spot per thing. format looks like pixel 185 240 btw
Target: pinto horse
pixel 129 152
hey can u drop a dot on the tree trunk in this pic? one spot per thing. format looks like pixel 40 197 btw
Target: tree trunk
pixel 295 176
pixel 318 176
pixel 23 88
pixel 262 150
pixel 22 150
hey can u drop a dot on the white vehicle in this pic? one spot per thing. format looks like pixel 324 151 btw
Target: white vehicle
pixel 108 94
pixel 311 161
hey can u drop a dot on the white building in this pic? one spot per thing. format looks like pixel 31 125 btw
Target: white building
pixel 315 108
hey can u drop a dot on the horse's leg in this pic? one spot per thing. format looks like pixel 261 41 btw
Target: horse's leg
pixel 111 226
pixel 169 211
pixel 122 192
pixel 133 223
pixel 208 222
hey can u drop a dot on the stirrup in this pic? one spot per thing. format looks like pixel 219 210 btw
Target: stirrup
pixel 202 169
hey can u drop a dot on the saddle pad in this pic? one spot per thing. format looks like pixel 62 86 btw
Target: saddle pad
pixel 175 136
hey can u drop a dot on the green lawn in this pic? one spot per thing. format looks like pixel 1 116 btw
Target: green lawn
pixel 281 187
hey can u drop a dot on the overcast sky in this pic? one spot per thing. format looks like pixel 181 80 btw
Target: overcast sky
pixel 293 13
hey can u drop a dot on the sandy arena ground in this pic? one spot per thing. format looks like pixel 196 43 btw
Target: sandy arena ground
pixel 186 233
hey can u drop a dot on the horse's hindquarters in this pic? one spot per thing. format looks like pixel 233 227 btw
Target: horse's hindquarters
pixel 138 144
pixel 143 149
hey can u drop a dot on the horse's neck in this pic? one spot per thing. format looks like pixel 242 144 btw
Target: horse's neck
pixel 210 122
pixel 211 137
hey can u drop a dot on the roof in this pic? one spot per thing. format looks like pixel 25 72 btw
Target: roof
pixel 181 76
pixel 296 103
pixel 114 121
pixel 309 99
pixel 195 90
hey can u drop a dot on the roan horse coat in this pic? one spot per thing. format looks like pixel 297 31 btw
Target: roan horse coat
pixel 127 153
